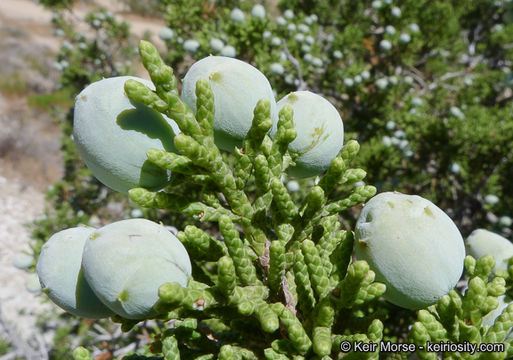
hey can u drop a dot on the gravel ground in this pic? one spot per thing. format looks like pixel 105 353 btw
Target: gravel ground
pixel 29 163
pixel 19 204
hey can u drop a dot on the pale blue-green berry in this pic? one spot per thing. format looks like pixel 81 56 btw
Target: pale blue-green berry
pixel 306 48
pixel 403 144
pixel 113 136
pixel 309 39
pixel 412 246
pixel 67 45
pixel 57 66
pixel 136 213
pixel 467 80
pixel 388 2
pixel 61 276
pixel 126 262
pixel 385 44
pixel 482 242
pixel 22 261
pixel 317 62
pixel 277 68
pixel 308 20
pixel 393 80
pixel 299 37
pixel 228 51
pixel 191 46
pixel 291 27
pixel 389 29
pixel 491 199
pixel 293 186
pixel 276 41
pixel 456 112
pixel 216 44
pixel 505 221
pixel 96 23
pixel 266 34
pixel 288 14
pixel 497 28
pixel 289 79
pixel 390 125
pixel 237 15
pixel 237 87
pixel 32 284
pixel 366 74
pixel 382 83
pixel 348 82
pixel 303 28
pixel 337 54
pixel 320 132
pixel 414 28
pixel 396 12
pixel 258 11
pixel 395 141
pixel 281 21
pixel 455 168
pixel 357 79
pixel 408 153
pixel 308 57
pixel 376 4
pixel 416 101
pixel 404 38
pixel 400 134
pixel 283 56
pixel 314 17
pixel 166 33
pixel 387 141
pixel 408 79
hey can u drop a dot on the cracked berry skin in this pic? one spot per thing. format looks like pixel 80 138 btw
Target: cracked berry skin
pixel 414 248
pixel 125 263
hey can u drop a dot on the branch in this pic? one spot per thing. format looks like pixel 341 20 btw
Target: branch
pixel 295 62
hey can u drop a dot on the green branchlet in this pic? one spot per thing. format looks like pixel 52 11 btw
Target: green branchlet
pixel 458 318
pixel 81 353
pixel 205 107
pixel 277 265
